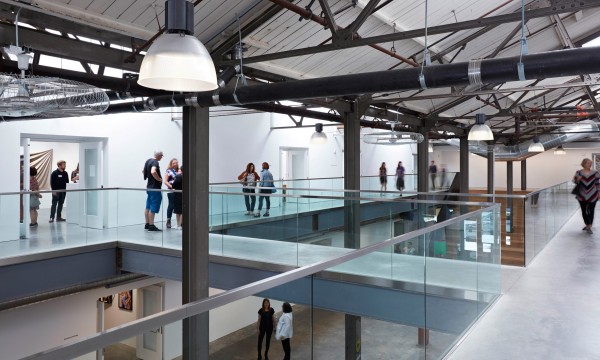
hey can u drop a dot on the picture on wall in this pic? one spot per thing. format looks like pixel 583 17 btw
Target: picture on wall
pixel 126 300
pixel 106 299
pixel 596 161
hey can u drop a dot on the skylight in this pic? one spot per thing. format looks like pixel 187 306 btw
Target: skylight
pixel 595 42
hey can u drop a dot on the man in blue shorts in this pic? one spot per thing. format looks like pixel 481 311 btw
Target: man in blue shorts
pixel 152 174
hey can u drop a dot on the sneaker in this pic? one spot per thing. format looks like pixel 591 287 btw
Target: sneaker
pixel 61 219
pixel 51 220
pixel 146 226
pixel 249 213
pixel 153 228
pixel 589 231
pixel 168 223
pixel 266 214
pixel 33 224
pixel 257 214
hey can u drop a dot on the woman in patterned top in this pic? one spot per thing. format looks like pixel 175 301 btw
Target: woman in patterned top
pixel 588 182
pixel 172 172
pixel 249 178
pixel 383 177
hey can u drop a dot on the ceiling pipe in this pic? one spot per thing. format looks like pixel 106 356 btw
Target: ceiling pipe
pixel 561 63
pixel 565 134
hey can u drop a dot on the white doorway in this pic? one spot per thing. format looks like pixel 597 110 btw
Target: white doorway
pixel 149 302
pixel 90 177
pixel 293 163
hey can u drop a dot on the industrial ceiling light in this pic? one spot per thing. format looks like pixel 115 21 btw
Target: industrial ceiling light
pixel 318 137
pixel 559 150
pixel 536 146
pixel 177 61
pixel 480 131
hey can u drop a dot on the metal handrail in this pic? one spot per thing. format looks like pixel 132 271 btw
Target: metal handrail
pixel 136 327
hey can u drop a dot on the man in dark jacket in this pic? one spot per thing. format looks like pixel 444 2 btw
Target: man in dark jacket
pixel 58 181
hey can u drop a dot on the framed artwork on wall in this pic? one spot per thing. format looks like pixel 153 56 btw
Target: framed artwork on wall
pixel 126 300
pixel 596 161
pixel 106 299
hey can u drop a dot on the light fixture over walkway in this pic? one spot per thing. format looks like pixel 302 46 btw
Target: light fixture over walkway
pixel 536 146
pixel 480 131
pixel 318 137
pixel 177 61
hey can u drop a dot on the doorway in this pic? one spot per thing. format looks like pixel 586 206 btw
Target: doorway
pixel 293 163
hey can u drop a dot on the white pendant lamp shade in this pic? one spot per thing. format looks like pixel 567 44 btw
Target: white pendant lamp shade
pixel 536 146
pixel 559 151
pixel 480 131
pixel 318 137
pixel 178 62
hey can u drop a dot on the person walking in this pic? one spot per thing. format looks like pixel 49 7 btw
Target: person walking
pixel 266 187
pixel 151 173
pixel 266 324
pixel 400 177
pixel 433 173
pixel 248 178
pixel 285 329
pixel 58 181
pixel 588 190
pixel 383 177
pixel 171 173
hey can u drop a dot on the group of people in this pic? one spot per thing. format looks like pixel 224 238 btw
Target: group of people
pixel 399 176
pixel 267 322
pixel 249 179
pixel 173 180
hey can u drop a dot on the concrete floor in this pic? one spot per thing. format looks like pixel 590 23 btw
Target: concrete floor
pixel 548 311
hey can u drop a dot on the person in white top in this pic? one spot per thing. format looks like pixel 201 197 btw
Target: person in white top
pixel 285 329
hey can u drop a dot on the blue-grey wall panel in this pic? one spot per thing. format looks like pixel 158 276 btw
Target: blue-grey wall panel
pixel 154 264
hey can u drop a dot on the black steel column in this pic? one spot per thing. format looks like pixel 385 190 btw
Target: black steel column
pixel 524 174
pixel 490 169
pixel 195 228
pixel 464 165
pixel 352 215
pixel 423 162
pixel 509 191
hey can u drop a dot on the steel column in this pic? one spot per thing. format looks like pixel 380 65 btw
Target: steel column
pixel 422 162
pixel 464 164
pixel 523 174
pixel 509 191
pixel 195 232
pixel 490 169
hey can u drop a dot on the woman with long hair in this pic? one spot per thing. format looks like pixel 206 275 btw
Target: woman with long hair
pixel 285 329
pixel 266 323
pixel 34 199
pixel 400 176
pixel 383 176
pixel 172 171
pixel 588 190
pixel 249 178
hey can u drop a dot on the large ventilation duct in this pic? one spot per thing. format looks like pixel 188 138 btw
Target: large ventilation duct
pixel 565 134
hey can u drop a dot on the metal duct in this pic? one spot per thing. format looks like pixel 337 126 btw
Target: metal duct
pixel 551 64
pixel 566 134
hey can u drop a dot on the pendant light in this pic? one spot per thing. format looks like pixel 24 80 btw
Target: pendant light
pixel 177 60
pixel 536 146
pixel 559 150
pixel 480 131
pixel 318 137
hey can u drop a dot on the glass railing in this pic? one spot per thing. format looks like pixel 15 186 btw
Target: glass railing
pixel 416 285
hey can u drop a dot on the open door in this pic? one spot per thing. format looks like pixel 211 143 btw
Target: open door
pixel 90 177
pixel 150 344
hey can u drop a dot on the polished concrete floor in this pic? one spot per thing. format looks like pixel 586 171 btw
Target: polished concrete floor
pixel 548 311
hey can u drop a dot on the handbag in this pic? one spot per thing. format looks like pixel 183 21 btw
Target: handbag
pixel 273 191
pixel 575 190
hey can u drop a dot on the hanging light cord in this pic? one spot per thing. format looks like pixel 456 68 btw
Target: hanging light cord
pixel 524 48
pixel 426 57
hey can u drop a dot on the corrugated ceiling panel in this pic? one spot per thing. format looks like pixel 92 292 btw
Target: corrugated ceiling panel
pixel 117 8
pixel 99 6
pixel 81 4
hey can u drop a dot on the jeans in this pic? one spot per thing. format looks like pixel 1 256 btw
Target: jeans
pixel 58 199
pixel 587 211
pixel 250 200
pixel 261 335
pixel 286 348
pixel 266 198
pixel 171 205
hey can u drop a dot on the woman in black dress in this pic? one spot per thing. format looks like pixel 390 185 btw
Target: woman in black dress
pixel 265 324
pixel 178 197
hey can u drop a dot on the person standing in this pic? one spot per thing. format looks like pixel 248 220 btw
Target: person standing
pixel 266 323
pixel 248 178
pixel 285 329
pixel 171 173
pixel 588 184
pixel 178 198
pixel 267 186
pixel 383 177
pixel 151 173
pixel 75 175
pixel 433 173
pixel 400 177
pixel 34 199
pixel 58 181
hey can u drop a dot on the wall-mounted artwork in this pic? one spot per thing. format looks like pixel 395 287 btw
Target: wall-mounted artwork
pixel 126 300
pixel 596 161
pixel 106 299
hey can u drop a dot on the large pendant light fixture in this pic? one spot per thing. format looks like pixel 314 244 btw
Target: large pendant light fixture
pixel 480 131
pixel 536 146
pixel 177 61
pixel 318 137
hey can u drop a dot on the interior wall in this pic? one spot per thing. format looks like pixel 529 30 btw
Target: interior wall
pixel 56 322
